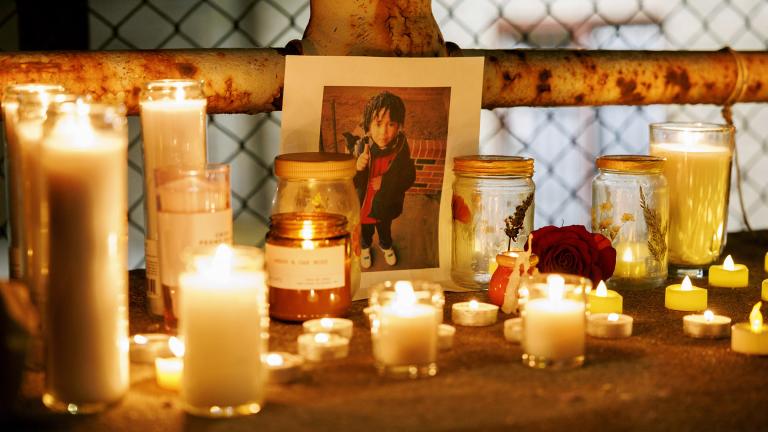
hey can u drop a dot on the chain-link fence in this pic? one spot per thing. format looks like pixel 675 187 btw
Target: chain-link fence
pixel 564 141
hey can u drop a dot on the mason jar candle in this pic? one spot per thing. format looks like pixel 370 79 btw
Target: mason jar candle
pixel 492 206
pixel 698 172
pixel 630 207
pixel 173 128
pixel 308 259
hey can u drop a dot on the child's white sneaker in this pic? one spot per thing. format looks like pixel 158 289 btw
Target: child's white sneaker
pixel 389 256
pixel 365 258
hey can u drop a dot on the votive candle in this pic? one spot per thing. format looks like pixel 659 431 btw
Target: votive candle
pixel 685 297
pixel 729 275
pixel 603 300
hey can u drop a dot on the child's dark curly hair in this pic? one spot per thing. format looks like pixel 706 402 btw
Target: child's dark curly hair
pixel 384 101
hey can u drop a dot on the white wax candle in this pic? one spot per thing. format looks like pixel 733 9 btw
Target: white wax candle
pixel 86 319
pixel 340 326
pixel 513 330
pixel 173 133
pixel 221 325
pixel 145 348
pixel 318 347
pixel 554 329
pixel 707 325
pixel 283 367
pixel 405 332
pixel 609 325
pixel 474 313
pixel 445 334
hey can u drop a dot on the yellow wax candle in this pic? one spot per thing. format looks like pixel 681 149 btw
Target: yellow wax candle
pixel 764 293
pixel 685 297
pixel 168 370
pixel 630 260
pixel 603 300
pixel 729 275
pixel 752 337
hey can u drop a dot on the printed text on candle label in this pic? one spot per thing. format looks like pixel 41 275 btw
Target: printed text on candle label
pixel 294 268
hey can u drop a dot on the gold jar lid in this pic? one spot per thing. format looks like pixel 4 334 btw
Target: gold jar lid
pixel 631 163
pixel 308 226
pixel 509 259
pixel 493 165
pixel 315 165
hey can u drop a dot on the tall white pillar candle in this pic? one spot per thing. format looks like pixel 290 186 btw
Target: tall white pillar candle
pixel 223 318
pixel 173 130
pixel 86 321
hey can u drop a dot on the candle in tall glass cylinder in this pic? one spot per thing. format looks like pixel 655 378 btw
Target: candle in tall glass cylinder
pixel 224 323
pixel 13 174
pixel 173 130
pixel 84 167
pixel 698 172
pixel 193 209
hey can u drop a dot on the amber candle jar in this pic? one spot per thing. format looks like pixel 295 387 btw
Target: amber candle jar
pixel 308 263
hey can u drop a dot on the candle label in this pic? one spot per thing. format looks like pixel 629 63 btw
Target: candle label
pixel 301 269
pixel 178 231
pixel 153 267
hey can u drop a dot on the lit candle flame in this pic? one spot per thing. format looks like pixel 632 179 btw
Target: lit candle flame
pixel 140 339
pixel 728 264
pixel 627 256
pixel 326 323
pixel 179 93
pixel 556 287
pixel 602 290
pixel 756 318
pixel 322 338
pixel 274 359
pixel 686 285
pixel 709 316
pixel 176 346
pixel 473 304
pixel 222 261
pixel 307 232
pixel 613 317
pixel 404 294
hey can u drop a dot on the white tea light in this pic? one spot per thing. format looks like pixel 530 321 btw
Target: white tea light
pixel 707 325
pixel 283 367
pixel 609 325
pixel 340 326
pixel 317 347
pixel 474 313
pixel 145 348
pixel 445 335
pixel 513 330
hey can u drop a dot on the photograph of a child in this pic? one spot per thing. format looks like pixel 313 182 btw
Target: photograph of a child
pixel 398 138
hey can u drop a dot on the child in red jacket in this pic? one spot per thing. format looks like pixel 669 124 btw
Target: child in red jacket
pixel 385 171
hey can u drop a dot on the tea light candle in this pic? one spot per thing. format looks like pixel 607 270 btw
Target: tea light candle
pixel 764 293
pixel 603 300
pixel 168 370
pixel 474 313
pixel 752 337
pixel 445 335
pixel 685 297
pixel 513 330
pixel 630 260
pixel 707 325
pixel 317 347
pixel 729 275
pixel 609 325
pixel 283 367
pixel 145 348
pixel 340 326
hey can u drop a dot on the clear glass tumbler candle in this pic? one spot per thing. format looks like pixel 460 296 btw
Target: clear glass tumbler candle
pixel 630 206
pixel 405 317
pixel 193 209
pixel 554 320
pixel 224 324
pixel 698 172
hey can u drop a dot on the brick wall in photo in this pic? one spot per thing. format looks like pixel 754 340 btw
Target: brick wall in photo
pixel 429 157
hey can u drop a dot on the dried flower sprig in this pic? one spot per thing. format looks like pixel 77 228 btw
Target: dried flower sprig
pixel 514 224
pixel 657 237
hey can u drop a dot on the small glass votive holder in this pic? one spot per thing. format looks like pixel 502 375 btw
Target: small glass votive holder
pixel 405 317
pixel 554 320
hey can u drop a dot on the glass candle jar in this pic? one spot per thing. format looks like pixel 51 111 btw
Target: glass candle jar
pixel 225 328
pixel 698 171
pixel 308 263
pixel 321 182
pixel 506 279
pixel 405 317
pixel 14 174
pixel 554 320
pixel 84 150
pixel 630 206
pixel 173 119
pixel 193 209
pixel 493 207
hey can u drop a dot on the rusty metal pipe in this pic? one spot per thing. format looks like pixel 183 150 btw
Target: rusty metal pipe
pixel 251 80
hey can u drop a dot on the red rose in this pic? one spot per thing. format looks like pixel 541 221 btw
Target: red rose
pixel 574 250
pixel 460 210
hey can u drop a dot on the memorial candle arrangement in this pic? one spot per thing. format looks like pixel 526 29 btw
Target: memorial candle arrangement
pixel 698 172
pixel 404 327
pixel 554 320
pixel 224 325
pixel 84 167
pixel 173 119
pixel 193 209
